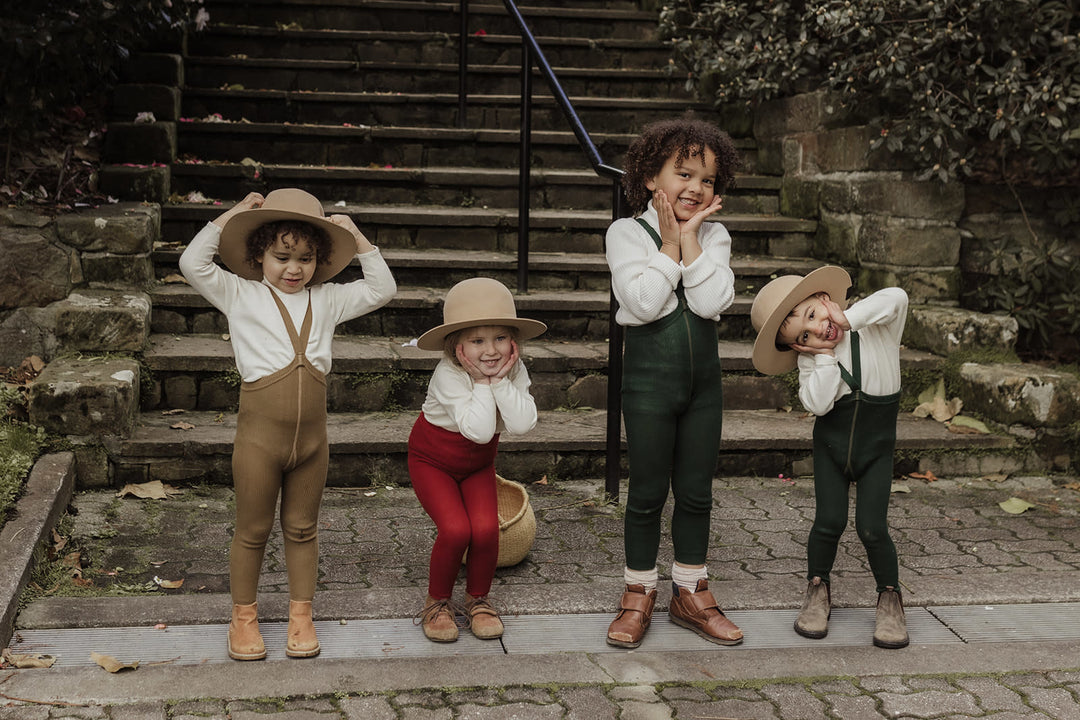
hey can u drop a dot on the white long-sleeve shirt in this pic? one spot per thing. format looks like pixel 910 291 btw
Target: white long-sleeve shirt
pixel 644 279
pixel 879 320
pixel 455 402
pixel 257 331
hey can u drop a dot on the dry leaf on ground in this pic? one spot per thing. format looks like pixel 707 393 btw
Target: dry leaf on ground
pixel 1015 505
pixel 169 584
pixel 932 403
pixel 182 425
pixel 928 476
pixel 153 490
pixel 25 660
pixel 900 488
pixel 112 664
pixel 967 425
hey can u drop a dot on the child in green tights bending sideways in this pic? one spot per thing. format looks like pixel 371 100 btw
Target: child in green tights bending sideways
pixel 849 377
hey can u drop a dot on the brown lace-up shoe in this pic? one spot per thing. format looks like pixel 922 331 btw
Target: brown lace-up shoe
pixel 483 619
pixel 438 619
pixel 635 613
pixel 813 620
pixel 699 612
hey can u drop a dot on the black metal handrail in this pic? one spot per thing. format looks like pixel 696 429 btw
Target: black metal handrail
pixel 530 53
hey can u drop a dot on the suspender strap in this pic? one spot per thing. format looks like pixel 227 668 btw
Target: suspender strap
pixel 299 340
pixel 679 291
pixel 853 378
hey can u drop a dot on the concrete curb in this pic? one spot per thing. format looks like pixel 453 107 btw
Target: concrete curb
pixel 48 492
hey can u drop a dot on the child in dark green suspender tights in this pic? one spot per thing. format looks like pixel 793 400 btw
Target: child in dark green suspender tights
pixel 849 376
pixel 671 276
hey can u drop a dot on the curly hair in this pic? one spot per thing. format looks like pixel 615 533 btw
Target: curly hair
pixel 679 138
pixel 265 235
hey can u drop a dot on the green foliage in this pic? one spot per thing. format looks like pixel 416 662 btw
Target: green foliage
pixel 958 87
pixel 53 54
pixel 20 445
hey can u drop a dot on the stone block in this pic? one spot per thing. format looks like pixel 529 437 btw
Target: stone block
pixel 128 100
pixel 836 238
pixel 91 467
pixel 358 393
pixel 36 269
pixel 113 270
pixel 800 197
pixel 150 183
pixel 908 241
pixel 181 392
pixel 588 391
pixel 755 392
pixel 18 217
pixel 841 150
pixel 799 114
pixel 86 396
pixel 549 390
pixel 946 330
pixel 25 332
pixel 922 285
pixel 103 321
pixel 1020 393
pixel 127 227
pixel 159 68
pixel 892 194
pixel 140 142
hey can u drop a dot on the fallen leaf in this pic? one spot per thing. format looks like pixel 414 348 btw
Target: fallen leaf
pixel 928 476
pixel 168 584
pixel 174 278
pixel 174 411
pixel 26 660
pixel 1072 486
pixel 182 426
pixel 995 477
pixel 900 488
pixel 1015 505
pixel 154 490
pixel 112 664
pixel 965 424
pixel 541 481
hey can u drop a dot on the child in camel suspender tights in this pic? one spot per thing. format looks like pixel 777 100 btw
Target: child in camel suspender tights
pixel 280 250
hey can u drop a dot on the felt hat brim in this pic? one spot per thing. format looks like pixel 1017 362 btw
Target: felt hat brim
pixel 478 302
pixel 777 299
pixel 284 204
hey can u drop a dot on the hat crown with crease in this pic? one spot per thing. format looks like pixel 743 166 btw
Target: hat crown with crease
pixel 477 302
pixel 284 204
pixel 774 303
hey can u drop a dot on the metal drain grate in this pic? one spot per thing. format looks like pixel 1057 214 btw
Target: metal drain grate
pixel 545 634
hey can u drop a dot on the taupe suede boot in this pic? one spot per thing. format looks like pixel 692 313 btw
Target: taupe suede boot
pixel 245 640
pixel 302 642
pixel 813 620
pixel 890 630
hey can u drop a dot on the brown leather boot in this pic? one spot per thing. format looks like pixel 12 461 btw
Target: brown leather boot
pixel 245 640
pixel 699 612
pixel 890 629
pixel 635 613
pixel 438 620
pixel 483 619
pixel 301 642
pixel 813 620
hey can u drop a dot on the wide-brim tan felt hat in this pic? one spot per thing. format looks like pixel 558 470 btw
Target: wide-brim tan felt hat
pixel 284 204
pixel 777 299
pixel 474 302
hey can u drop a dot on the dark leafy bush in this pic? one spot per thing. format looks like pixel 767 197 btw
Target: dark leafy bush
pixel 54 54
pixel 961 88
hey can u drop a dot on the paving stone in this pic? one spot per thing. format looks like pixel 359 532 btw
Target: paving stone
pixel 992 694
pixel 930 703
pixel 587 704
pixel 367 708
pixel 1055 702
pixel 794 702
pixel 742 709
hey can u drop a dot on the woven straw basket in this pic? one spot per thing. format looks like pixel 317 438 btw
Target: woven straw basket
pixel 517 523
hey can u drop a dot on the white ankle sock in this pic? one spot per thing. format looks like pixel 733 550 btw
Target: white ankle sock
pixel 648 578
pixel 687 577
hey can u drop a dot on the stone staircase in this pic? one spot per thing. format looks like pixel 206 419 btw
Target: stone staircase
pixel 355 101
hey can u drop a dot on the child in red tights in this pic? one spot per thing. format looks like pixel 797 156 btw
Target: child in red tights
pixel 479 388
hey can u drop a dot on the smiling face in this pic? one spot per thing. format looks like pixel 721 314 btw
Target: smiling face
pixel 487 347
pixel 288 263
pixel 690 184
pixel 808 324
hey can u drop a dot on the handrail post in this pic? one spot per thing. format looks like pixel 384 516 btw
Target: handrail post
pixel 613 436
pixel 463 61
pixel 524 170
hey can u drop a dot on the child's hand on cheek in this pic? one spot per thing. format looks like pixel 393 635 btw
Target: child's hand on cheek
pixel 836 315
pixel 669 226
pixel 467 365
pixel 511 360
pixel 363 245
pixel 252 201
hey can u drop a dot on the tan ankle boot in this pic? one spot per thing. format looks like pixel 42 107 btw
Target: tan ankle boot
pixel 890 629
pixel 483 619
pixel 245 640
pixel 301 642
pixel 437 619
pixel 813 620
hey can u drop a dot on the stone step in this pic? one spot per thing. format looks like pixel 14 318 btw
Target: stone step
pixel 370 448
pixel 450 186
pixel 440 109
pixel 571 19
pixel 371 374
pixel 495 229
pixel 246 40
pixel 351 76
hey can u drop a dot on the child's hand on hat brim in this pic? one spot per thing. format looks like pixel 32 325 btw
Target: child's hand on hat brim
pixel 363 245
pixel 252 201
